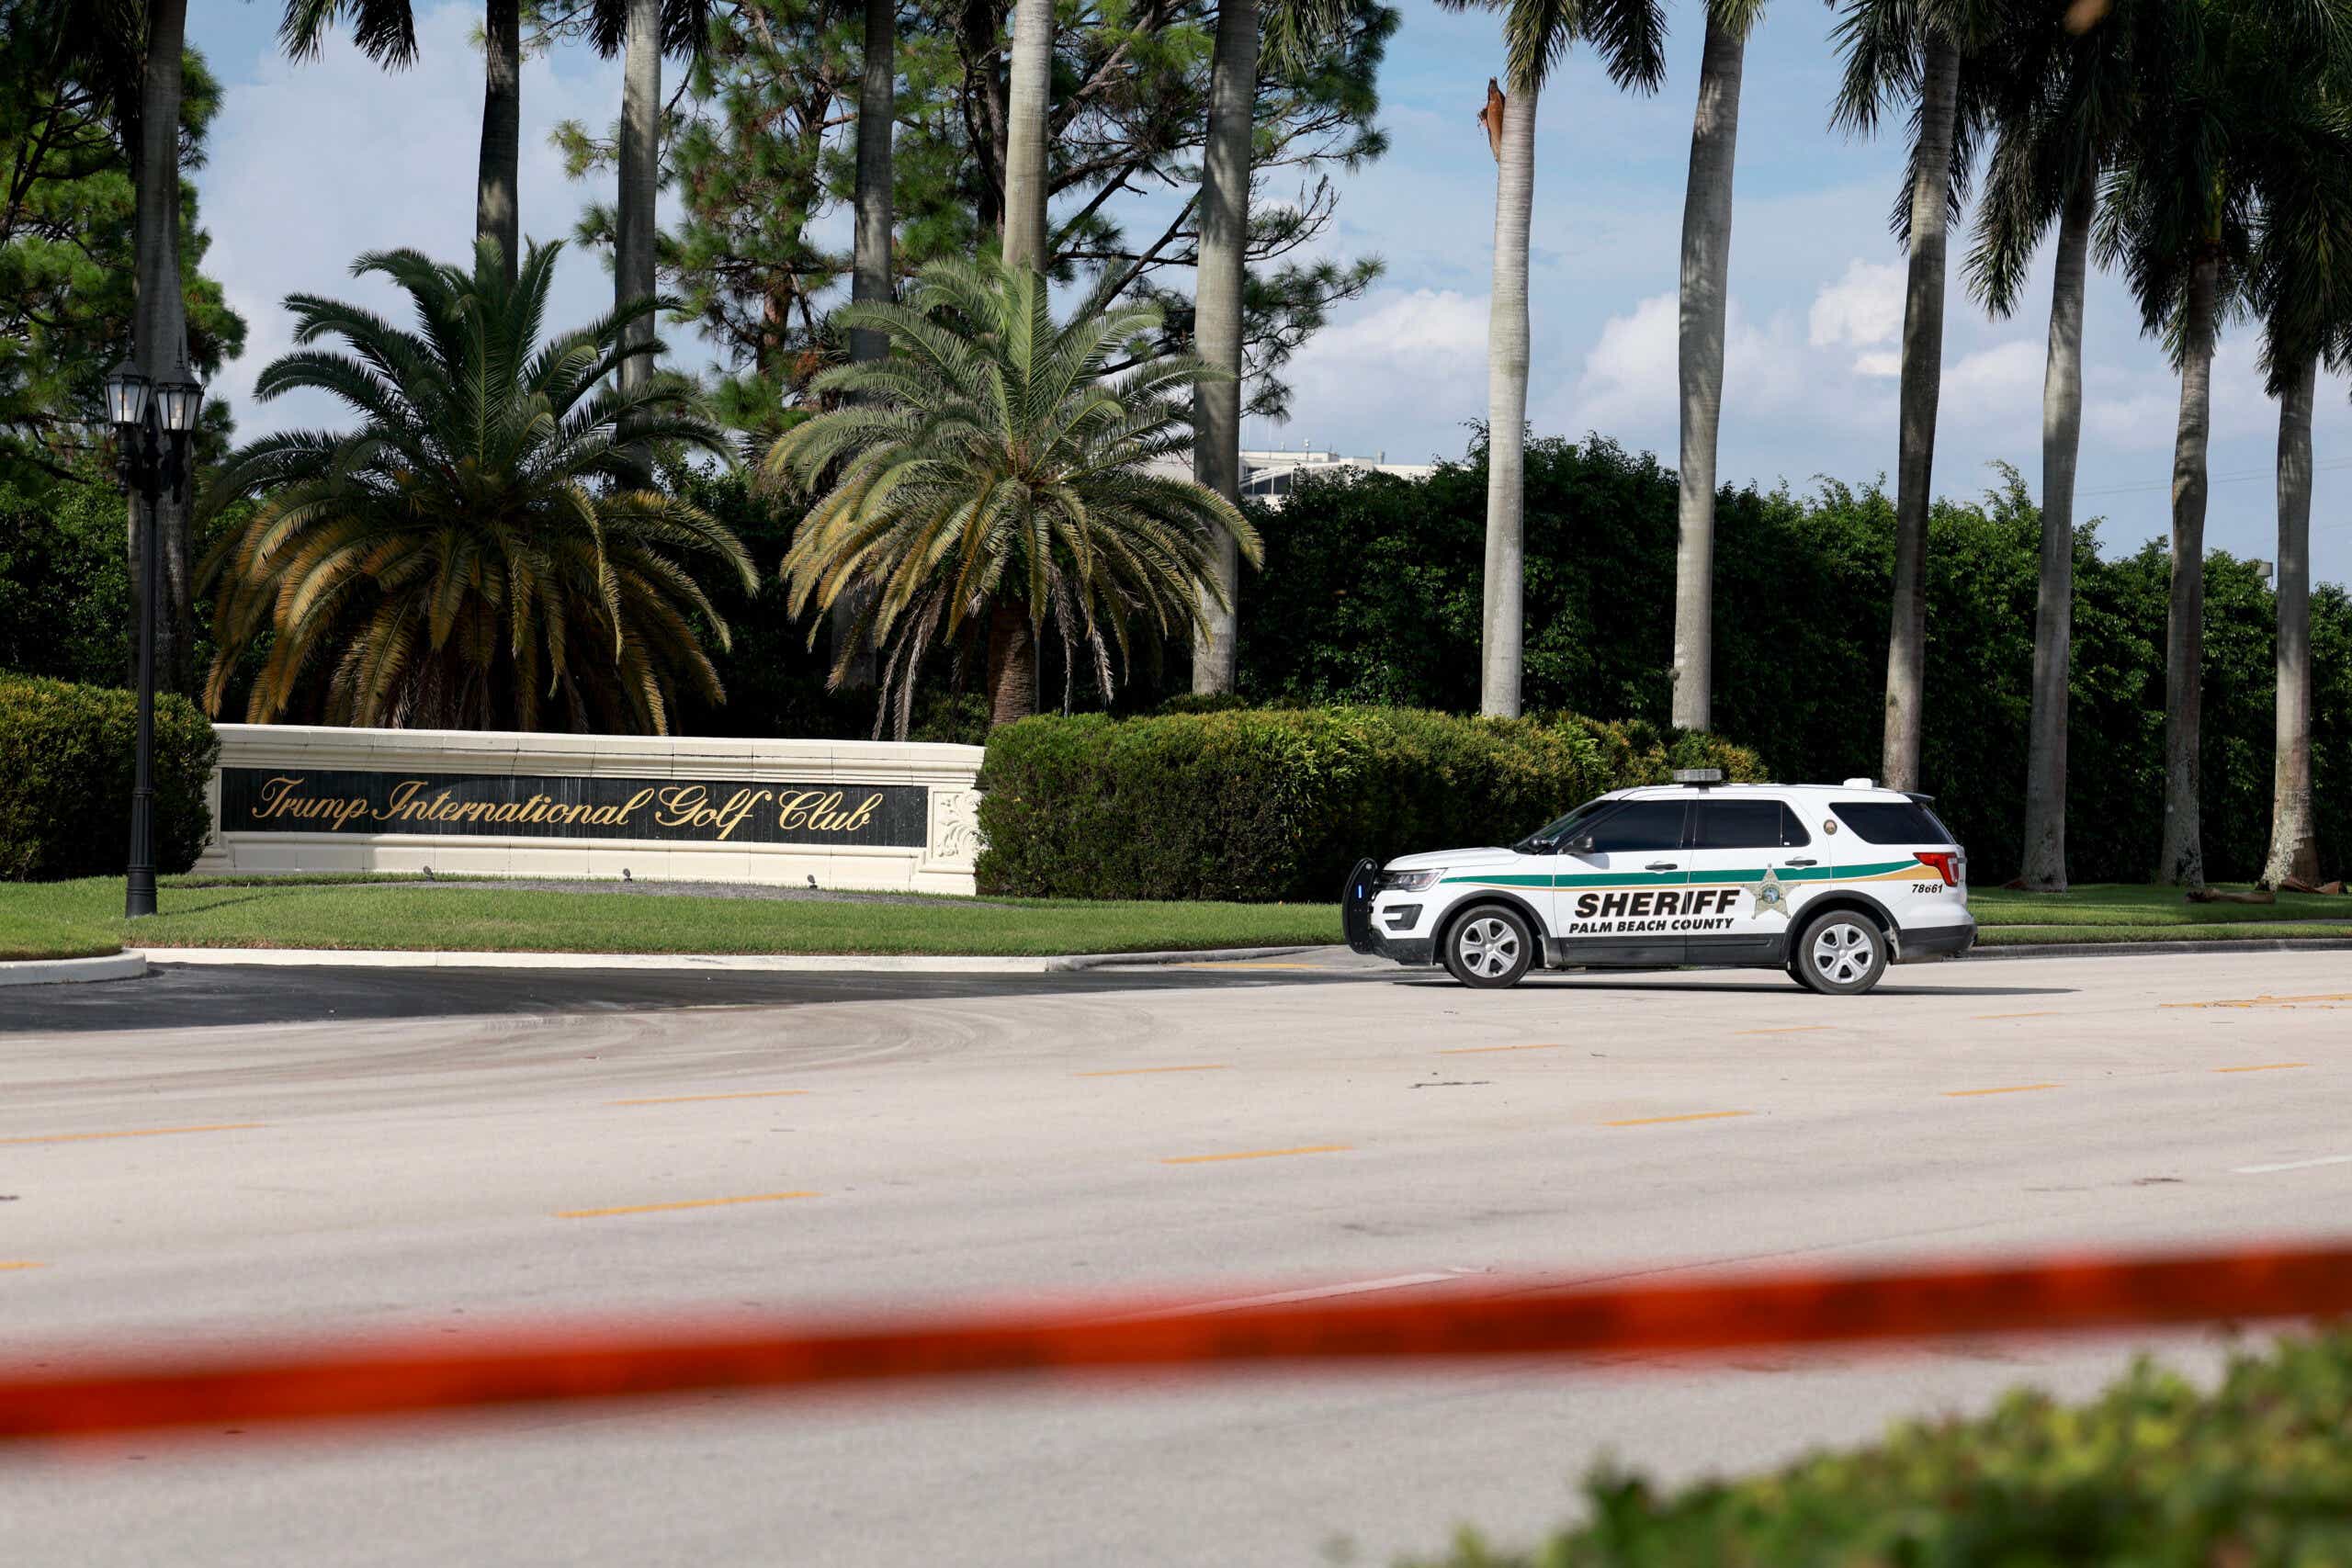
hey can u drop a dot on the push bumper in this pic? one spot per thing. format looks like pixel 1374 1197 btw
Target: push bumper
pixel 1413 952
pixel 1939 941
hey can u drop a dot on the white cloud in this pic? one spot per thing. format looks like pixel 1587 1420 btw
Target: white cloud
pixel 2001 384
pixel 1862 310
pixel 1413 360
pixel 312 164
pixel 1632 381
pixel 1882 363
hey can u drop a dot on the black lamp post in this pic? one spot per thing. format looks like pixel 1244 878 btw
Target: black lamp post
pixel 154 421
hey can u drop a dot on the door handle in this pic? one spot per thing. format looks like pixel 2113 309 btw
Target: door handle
pixel 1663 865
pixel 1801 862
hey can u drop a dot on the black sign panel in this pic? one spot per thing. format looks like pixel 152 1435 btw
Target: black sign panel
pixel 476 806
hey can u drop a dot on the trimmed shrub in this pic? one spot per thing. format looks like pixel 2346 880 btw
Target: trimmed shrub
pixel 1263 805
pixel 2255 1474
pixel 66 762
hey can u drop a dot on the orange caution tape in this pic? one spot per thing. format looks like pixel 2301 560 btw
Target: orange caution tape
pixel 384 1377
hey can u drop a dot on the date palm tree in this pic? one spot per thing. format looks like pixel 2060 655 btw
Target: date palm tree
pixel 1630 36
pixel 385 31
pixel 486 549
pixel 1705 304
pixel 989 476
pixel 2059 116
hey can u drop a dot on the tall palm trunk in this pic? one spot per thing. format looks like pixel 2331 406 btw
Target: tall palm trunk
pixel 159 343
pixel 641 175
pixel 2184 850
pixel 1217 320
pixel 1923 368
pixel 495 216
pixel 1706 284
pixel 870 278
pixel 1029 99
pixel 1501 647
pixel 2053 618
pixel 1012 663
pixel 2295 837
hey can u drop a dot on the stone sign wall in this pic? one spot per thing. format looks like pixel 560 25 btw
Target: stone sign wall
pixel 849 814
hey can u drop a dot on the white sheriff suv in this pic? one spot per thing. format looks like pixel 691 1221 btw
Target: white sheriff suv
pixel 1829 883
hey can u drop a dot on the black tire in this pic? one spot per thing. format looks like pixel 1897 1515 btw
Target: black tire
pixel 1490 946
pixel 1841 954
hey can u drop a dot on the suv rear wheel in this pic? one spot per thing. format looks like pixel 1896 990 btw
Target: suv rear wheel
pixel 1490 946
pixel 1841 954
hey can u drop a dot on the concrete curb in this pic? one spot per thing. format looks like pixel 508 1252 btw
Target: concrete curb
pixel 747 963
pixel 2161 949
pixel 66 971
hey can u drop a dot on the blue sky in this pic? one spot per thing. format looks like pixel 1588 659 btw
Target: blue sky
pixel 311 165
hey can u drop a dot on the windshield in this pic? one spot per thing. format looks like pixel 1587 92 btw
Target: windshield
pixel 1547 838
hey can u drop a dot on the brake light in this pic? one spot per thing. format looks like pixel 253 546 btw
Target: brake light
pixel 1946 861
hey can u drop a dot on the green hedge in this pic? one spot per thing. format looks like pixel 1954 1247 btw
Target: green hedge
pixel 66 759
pixel 1257 805
pixel 2255 1474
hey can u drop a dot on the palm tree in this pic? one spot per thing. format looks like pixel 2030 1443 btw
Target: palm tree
pixel 1216 316
pixel 1706 297
pixel 1914 51
pixel 988 476
pixel 2239 84
pixel 640 32
pixel 385 31
pixel 2060 113
pixel 486 548
pixel 1295 33
pixel 1631 37
pixel 2302 292
pixel 1029 99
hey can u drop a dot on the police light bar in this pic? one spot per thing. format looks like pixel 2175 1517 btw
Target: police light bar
pixel 1698 775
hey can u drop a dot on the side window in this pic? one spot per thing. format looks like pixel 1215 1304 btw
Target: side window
pixel 1891 822
pixel 1746 824
pixel 1640 825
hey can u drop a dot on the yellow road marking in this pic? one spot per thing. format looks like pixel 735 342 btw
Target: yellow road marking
pixel 1483 1050
pixel 1694 1116
pixel 684 1203
pixel 2265 1001
pixel 1984 1017
pixel 1791 1029
pixel 2011 1088
pixel 5 1267
pixel 1259 1154
pixel 695 1098
pixel 1131 1072
pixel 133 1133
pixel 1245 963
pixel 2263 1067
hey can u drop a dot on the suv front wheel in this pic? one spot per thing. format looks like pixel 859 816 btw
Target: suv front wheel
pixel 1841 954
pixel 1491 946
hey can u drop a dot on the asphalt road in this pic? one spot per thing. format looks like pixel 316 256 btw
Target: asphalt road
pixel 211 1156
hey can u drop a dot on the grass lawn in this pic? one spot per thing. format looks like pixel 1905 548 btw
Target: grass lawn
pixel 81 916
pixel 2126 912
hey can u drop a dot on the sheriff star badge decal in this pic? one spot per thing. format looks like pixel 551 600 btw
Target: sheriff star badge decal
pixel 1772 898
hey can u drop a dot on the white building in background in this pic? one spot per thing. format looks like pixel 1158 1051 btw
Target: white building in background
pixel 1267 474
